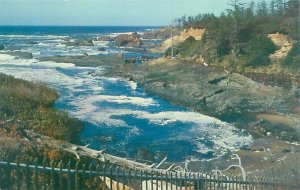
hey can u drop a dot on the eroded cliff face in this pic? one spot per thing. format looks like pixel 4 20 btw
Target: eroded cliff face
pixel 197 33
pixel 284 44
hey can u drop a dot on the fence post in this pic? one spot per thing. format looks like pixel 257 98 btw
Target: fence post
pixel 69 175
pixel 97 176
pixel 151 179
pixel 36 174
pixel 104 177
pixel 117 177
pixel 18 175
pixel 180 180
pixel 185 178
pixel 27 176
pixel 210 178
pixel 83 177
pixel 171 180
pixel 123 178
pixel 8 174
pixel 60 175
pixel 141 179
pixel 91 176
pixel 135 179
pixel 189 181
pixel 176 180
pixel 129 178
pixel 200 182
pixel 146 179
pixel 76 176
pixel 110 178
pixel 52 175
pixel 44 174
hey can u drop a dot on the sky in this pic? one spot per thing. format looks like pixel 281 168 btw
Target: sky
pixel 104 12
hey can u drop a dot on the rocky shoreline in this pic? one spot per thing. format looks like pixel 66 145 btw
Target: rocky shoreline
pixel 231 97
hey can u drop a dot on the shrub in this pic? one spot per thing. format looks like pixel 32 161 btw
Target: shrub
pixel 293 57
pixel 259 51
pixel 187 48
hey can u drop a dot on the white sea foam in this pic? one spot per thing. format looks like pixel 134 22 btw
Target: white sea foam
pixel 101 43
pixel 133 85
pixel 32 36
pixel 6 59
pixel 93 99
pixel 223 135
pixel 114 34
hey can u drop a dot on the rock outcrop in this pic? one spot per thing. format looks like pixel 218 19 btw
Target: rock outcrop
pixel 209 90
pixel 128 40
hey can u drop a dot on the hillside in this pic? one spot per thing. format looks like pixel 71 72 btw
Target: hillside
pixel 245 39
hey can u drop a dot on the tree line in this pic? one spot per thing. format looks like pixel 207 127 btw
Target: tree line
pixel 241 29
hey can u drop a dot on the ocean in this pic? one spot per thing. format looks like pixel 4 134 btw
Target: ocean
pixel 118 115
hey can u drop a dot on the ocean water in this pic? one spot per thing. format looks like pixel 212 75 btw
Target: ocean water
pixel 118 115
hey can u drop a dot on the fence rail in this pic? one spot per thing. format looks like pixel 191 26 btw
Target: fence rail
pixel 111 177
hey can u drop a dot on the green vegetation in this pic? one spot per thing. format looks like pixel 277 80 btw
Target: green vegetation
pixel 32 104
pixel 241 32
pixel 293 58
pixel 259 51
pixel 187 48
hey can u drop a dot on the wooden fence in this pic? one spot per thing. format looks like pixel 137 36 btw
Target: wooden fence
pixel 110 177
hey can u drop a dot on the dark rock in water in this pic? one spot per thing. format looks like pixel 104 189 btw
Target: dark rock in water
pixel 105 38
pixel 101 49
pixel 80 43
pixel 136 50
pixel 23 55
pixel 2 47
pixel 33 42
pixel 128 40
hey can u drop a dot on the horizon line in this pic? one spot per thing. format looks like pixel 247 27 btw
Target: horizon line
pixel 85 25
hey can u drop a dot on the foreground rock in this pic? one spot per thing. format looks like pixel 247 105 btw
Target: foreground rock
pixel 128 40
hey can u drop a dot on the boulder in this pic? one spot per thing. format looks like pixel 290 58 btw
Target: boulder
pixel 128 40
pixel 105 38
pixel 2 47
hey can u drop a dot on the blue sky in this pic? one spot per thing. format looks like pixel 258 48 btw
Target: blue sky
pixel 103 12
